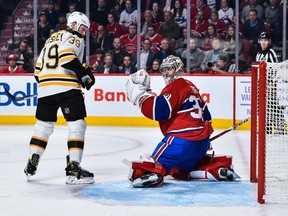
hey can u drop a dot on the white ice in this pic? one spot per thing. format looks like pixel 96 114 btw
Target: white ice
pixel 46 194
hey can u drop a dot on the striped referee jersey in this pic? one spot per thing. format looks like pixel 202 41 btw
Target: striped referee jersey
pixel 268 55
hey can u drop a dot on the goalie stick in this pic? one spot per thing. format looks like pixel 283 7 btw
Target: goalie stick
pixel 18 98
pixel 229 129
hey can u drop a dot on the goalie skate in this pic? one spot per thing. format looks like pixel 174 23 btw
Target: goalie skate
pixel 147 180
pixel 228 174
pixel 77 175
pixel 31 166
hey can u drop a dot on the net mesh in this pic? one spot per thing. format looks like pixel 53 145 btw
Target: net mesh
pixel 276 138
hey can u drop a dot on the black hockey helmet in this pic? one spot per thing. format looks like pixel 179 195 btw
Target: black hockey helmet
pixel 264 35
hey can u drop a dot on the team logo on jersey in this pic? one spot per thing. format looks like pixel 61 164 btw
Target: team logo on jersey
pixel 167 96
pixel 67 110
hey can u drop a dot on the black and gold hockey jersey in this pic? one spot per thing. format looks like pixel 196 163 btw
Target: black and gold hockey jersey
pixel 61 48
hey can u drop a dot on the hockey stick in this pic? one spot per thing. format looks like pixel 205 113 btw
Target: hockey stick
pixel 18 98
pixel 229 129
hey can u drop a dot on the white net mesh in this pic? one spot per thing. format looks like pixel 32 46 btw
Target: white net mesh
pixel 276 152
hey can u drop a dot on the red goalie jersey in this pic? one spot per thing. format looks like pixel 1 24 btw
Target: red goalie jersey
pixel 180 111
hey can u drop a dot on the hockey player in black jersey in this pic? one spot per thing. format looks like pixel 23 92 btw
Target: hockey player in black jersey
pixel 60 75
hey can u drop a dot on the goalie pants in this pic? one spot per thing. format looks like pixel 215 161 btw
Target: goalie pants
pixel 185 154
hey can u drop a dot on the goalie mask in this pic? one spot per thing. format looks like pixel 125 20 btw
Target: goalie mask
pixel 79 18
pixel 171 68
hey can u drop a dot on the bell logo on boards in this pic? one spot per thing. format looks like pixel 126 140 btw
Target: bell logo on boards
pixel 31 88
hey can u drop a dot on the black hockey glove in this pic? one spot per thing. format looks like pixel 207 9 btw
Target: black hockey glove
pixel 88 80
pixel 83 73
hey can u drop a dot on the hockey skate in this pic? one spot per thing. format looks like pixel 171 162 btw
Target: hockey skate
pixel 147 180
pixel 31 167
pixel 227 174
pixel 77 175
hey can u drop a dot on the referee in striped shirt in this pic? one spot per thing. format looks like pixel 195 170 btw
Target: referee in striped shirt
pixel 266 53
pixel 275 112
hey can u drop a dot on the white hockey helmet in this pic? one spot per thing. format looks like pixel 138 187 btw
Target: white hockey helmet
pixel 79 18
pixel 172 62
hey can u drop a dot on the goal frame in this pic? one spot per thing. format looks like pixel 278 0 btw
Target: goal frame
pixel 258 121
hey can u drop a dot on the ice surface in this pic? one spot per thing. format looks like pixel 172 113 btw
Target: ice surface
pixel 46 194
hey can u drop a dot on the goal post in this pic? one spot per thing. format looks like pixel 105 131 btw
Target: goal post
pixel 269 139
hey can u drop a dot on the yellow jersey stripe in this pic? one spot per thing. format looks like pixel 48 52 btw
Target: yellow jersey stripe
pixel 67 83
pixel 66 59
pixel 57 76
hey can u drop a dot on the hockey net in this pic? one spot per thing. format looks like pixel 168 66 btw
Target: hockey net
pixel 269 138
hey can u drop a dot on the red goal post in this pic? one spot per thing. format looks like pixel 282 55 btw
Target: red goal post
pixel 269 139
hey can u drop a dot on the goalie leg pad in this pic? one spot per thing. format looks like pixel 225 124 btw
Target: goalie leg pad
pixel 146 174
pixel 213 167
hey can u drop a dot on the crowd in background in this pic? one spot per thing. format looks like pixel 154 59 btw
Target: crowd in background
pixel 113 33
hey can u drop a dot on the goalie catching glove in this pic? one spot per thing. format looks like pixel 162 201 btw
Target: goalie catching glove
pixel 138 87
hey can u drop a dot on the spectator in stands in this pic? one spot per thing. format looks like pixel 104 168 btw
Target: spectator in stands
pixel 52 14
pixel 208 37
pixel 252 5
pixel 167 5
pixel 128 16
pixel 169 28
pixel 251 31
pixel 108 66
pixel 104 40
pixel 96 60
pixel 211 56
pixel 223 66
pixel 226 12
pixel 230 44
pixel 147 5
pixel 62 25
pixel 179 14
pixel 146 56
pixel 155 67
pixel 113 27
pixel 118 53
pixel 213 4
pixel 147 22
pixel 30 39
pixel 196 56
pixel 43 31
pixel 155 38
pixel 157 14
pixel 80 4
pixel 219 24
pixel 129 41
pixel 200 6
pixel 12 66
pixel 165 50
pixel 181 43
pixel 241 25
pixel 100 14
pixel 127 67
pixel 274 18
pixel 199 25
pixel 71 9
pixel 24 56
